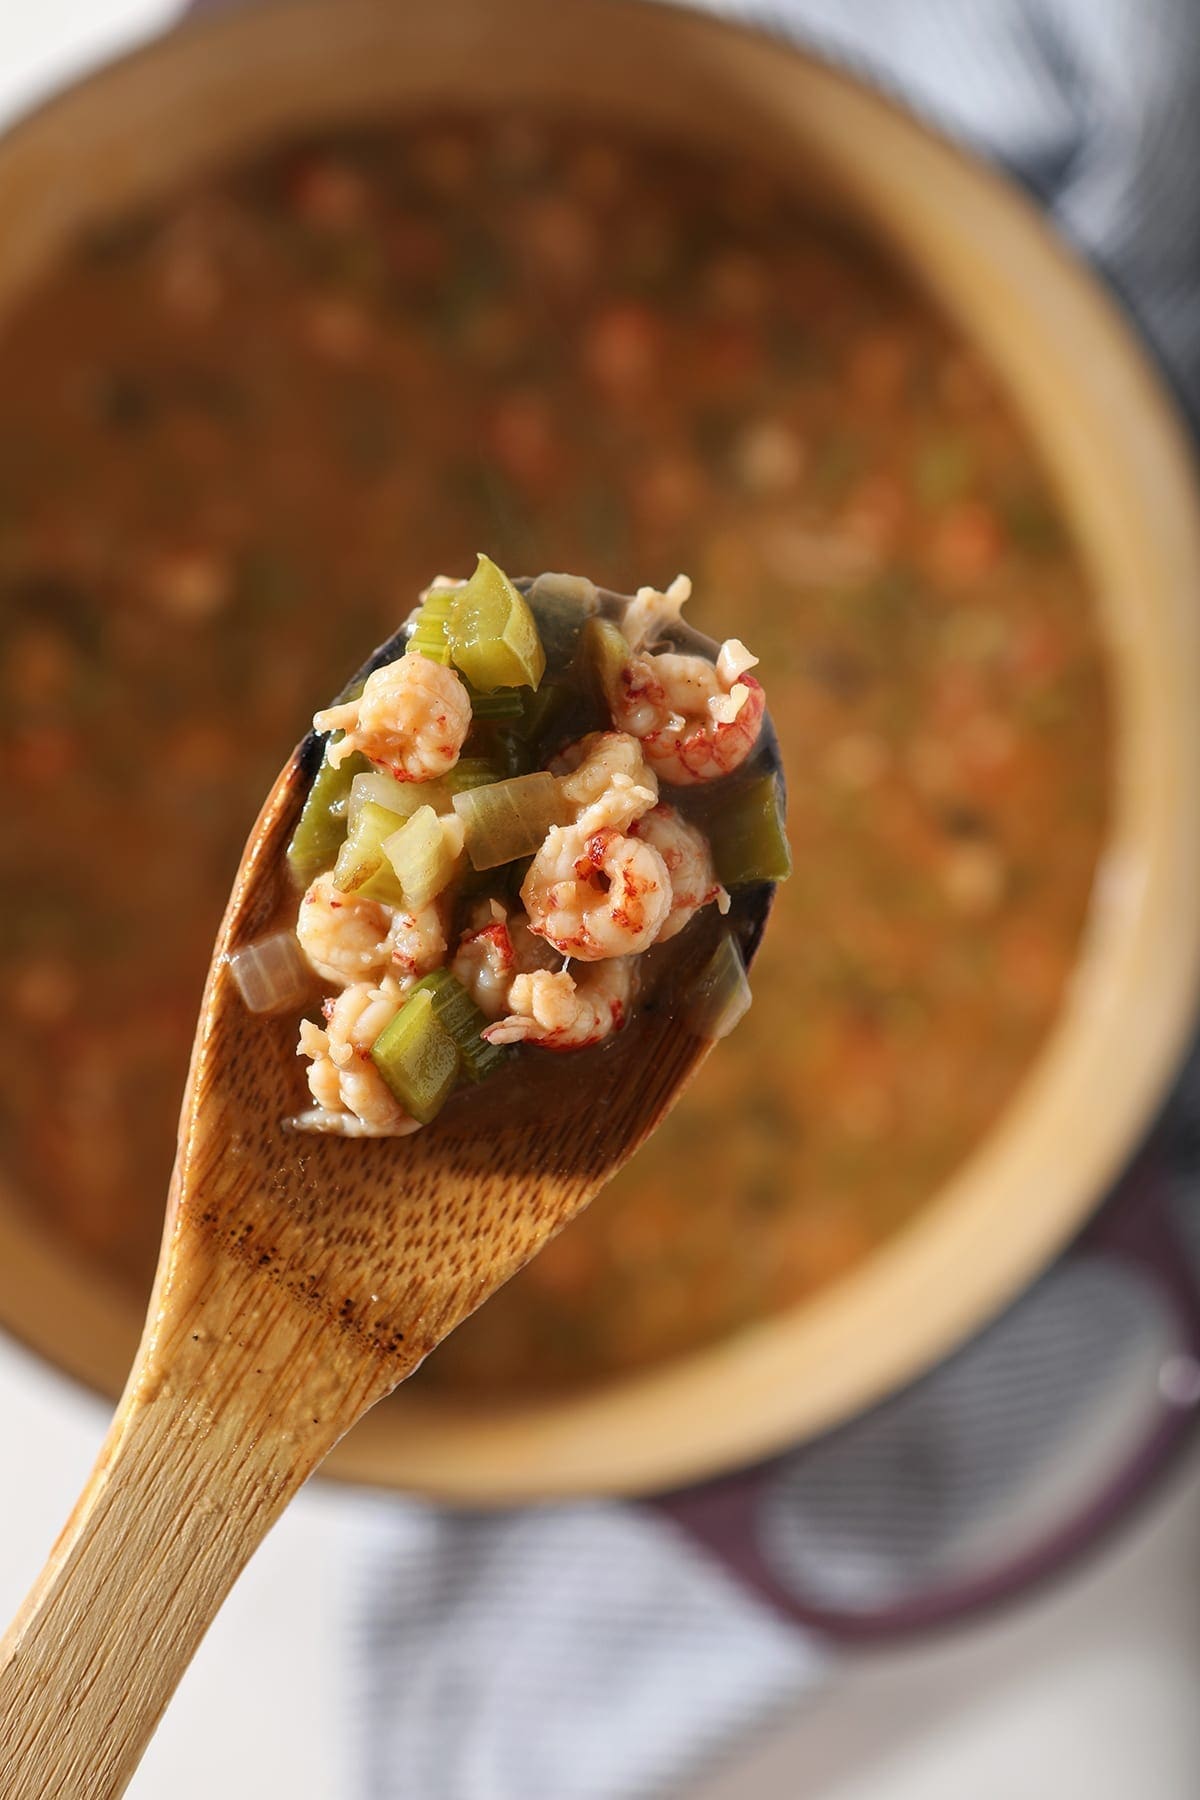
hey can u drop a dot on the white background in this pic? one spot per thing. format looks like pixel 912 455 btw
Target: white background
pixel 1092 1692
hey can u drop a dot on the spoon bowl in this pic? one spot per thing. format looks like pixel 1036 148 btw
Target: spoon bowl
pixel 301 1279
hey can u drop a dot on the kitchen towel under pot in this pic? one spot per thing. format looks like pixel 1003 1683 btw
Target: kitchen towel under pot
pixel 591 1651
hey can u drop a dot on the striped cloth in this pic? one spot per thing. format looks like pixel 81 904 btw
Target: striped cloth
pixel 590 1652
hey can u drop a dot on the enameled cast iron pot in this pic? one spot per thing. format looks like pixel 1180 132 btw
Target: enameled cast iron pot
pixel 230 83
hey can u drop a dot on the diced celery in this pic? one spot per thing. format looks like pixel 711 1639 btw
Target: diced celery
pixel 468 772
pixel 361 867
pixel 399 797
pixel 425 855
pixel 404 798
pixel 546 711
pixel 505 703
pixel 605 655
pixel 321 826
pixel 492 634
pixel 417 1058
pixel 428 635
pixel 721 996
pixel 461 1017
pixel 510 818
pixel 747 834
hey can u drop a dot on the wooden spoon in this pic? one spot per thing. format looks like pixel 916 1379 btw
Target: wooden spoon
pixel 301 1278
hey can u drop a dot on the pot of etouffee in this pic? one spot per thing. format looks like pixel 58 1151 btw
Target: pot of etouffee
pixel 393 286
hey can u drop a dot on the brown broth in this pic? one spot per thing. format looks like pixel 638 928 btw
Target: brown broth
pixel 237 436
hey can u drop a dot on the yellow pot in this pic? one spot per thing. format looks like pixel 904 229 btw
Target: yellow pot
pixel 1114 447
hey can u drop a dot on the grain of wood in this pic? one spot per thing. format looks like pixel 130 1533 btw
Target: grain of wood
pixel 301 1279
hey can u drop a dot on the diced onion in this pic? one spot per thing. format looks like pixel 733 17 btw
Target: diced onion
pixel 272 975
pixel 510 819
pixel 425 855
pixel 721 997
pixel 561 604
pixel 405 797
pixel 573 593
pixel 399 797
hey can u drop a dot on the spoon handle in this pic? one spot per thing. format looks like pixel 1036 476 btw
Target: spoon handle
pixel 233 1401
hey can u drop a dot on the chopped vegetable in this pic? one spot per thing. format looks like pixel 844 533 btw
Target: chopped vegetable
pixel 460 1016
pixel 321 826
pixel 492 634
pixel 504 703
pixel 404 798
pixel 425 855
pixel 605 654
pixel 361 867
pixel 462 854
pixel 510 818
pixel 399 797
pixel 272 975
pixel 546 711
pixel 428 635
pixel 561 604
pixel 417 1057
pixel 721 997
pixel 747 835
pixel 468 772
